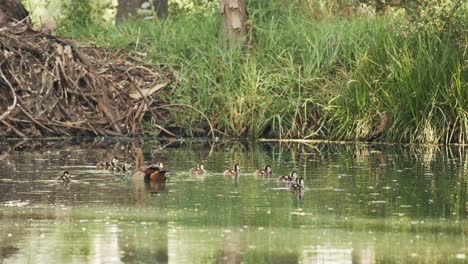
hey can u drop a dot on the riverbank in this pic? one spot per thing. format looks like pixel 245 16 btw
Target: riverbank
pixel 363 79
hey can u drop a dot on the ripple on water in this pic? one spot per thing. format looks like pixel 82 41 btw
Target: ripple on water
pixel 16 203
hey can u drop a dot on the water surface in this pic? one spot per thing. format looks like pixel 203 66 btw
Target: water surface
pixel 363 204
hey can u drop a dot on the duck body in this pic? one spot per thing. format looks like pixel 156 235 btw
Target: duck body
pixel 266 172
pixel 288 178
pixel 298 185
pixel 154 173
pixel 151 173
pixel 234 172
pixel 199 170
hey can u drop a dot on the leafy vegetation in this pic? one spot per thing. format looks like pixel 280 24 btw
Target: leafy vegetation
pixel 309 71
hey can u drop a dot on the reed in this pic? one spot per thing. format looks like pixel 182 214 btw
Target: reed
pixel 302 78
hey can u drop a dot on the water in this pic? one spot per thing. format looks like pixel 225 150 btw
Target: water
pixel 363 204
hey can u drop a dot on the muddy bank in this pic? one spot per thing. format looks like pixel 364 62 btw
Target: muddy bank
pixel 51 87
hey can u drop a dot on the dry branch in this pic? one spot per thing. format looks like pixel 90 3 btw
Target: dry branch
pixel 49 87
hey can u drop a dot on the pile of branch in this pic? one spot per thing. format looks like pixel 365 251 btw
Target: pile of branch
pixel 49 87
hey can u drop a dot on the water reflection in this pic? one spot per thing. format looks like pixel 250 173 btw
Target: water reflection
pixel 363 204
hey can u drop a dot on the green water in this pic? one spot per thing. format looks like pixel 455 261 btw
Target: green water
pixel 363 204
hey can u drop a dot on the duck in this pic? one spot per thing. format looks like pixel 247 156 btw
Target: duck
pixel 199 170
pixel 298 185
pixel 154 174
pixel 160 164
pixel 266 172
pixel 110 166
pixel 148 173
pixel 125 168
pixel 288 178
pixel 103 165
pixel 234 172
pixel 64 177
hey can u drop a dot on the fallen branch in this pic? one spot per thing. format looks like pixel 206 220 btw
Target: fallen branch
pixel 11 107
pixel 56 88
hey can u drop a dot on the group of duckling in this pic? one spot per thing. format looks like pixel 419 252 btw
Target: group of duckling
pixel 114 166
pixel 293 182
pixel 156 172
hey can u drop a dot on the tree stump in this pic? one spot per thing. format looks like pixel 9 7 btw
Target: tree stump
pixel 12 10
pixel 234 21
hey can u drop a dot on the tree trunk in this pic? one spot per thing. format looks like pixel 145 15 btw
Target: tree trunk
pixel 161 8
pixel 234 21
pixel 12 10
pixel 126 9
pixel 129 8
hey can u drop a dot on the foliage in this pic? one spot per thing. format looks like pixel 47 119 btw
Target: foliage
pixel 359 78
pixel 187 7
pixel 437 15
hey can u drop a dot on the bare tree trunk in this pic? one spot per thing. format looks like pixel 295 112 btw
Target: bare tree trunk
pixel 234 21
pixel 126 9
pixel 129 8
pixel 12 10
pixel 161 7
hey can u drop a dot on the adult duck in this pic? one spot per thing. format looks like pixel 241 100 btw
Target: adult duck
pixel 147 173
pixel 266 172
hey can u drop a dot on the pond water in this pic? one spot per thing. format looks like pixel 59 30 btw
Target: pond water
pixel 362 204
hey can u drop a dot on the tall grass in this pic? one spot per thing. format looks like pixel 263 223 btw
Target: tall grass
pixel 302 78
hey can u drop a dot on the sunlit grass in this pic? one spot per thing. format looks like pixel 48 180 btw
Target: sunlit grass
pixel 301 78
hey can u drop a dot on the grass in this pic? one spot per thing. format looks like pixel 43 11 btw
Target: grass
pixel 301 78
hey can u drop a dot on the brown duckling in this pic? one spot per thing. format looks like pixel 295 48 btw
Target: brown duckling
pixel 125 168
pixel 266 172
pixel 64 177
pixel 234 172
pixel 108 165
pixel 288 178
pixel 147 173
pixel 103 165
pixel 298 185
pixel 199 170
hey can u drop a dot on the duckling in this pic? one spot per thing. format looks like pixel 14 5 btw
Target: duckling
pixel 103 165
pixel 148 173
pixel 298 185
pixel 114 165
pixel 288 178
pixel 234 172
pixel 108 165
pixel 64 177
pixel 266 172
pixel 125 168
pixel 199 170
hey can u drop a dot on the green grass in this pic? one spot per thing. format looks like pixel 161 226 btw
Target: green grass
pixel 301 78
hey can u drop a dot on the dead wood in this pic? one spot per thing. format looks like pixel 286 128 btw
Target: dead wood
pixel 50 87
pixel 12 11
